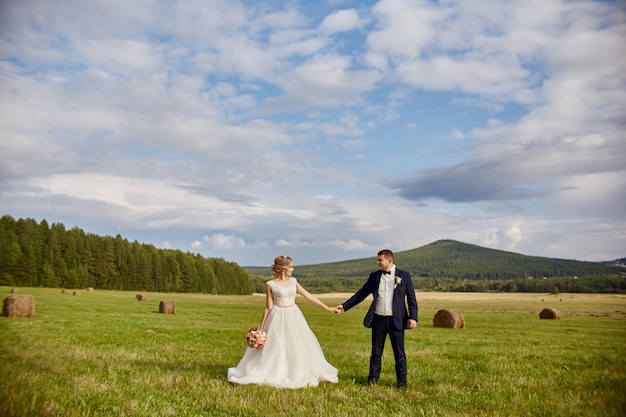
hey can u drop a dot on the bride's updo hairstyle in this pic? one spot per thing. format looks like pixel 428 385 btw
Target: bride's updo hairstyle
pixel 281 263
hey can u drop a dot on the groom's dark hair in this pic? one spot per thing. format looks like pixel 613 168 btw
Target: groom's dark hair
pixel 386 252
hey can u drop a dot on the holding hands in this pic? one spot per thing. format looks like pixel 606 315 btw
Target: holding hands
pixel 334 310
pixel 337 310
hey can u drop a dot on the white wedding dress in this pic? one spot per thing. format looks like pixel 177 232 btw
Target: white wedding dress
pixel 292 356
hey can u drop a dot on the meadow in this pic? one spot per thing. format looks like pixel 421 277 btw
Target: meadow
pixel 103 353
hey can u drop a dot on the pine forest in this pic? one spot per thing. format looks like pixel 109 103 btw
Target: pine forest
pixel 41 255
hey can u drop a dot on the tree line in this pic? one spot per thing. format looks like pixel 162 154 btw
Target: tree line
pixel 612 284
pixel 448 265
pixel 47 255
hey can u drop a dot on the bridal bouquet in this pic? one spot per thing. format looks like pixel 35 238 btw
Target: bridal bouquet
pixel 255 338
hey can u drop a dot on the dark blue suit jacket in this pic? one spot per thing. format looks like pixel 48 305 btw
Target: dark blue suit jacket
pixel 404 290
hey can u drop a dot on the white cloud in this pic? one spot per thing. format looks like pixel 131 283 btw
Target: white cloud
pixel 513 235
pixel 340 21
pixel 222 241
pixel 595 196
pixel 328 80
pixel 292 244
pixel 404 28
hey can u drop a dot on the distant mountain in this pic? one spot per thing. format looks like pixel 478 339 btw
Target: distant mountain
pixel 620 263
pixel 458 260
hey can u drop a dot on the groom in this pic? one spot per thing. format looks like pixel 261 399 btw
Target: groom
pixel 388 313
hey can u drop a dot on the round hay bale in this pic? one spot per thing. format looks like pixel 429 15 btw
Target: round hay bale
pixel 18 306
pixel 75 293
pixel 90 289
pixel 450 319
pixel 167 307
pixel 13 291
pixel 549 314
pixel 141 297
pixel 63 291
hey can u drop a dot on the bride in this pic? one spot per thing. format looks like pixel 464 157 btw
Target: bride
pixel 292 356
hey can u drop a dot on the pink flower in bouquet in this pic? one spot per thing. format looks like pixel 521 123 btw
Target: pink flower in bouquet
pixel 255 338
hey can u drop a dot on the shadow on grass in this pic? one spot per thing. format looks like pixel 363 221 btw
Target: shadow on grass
pixel 357 379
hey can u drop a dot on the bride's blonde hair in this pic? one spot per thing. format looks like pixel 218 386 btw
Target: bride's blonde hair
pixel 281 263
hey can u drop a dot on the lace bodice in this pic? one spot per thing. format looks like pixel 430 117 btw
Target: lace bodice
pixel 284 295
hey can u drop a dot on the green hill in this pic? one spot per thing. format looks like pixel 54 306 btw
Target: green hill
pixel 455 266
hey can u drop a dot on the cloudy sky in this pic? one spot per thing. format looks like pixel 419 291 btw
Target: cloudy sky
pixel 324 130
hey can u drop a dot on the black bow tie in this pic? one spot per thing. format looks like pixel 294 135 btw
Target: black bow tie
pixel 387 273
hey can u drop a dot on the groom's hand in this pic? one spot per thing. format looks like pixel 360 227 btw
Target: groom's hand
pixel 411 324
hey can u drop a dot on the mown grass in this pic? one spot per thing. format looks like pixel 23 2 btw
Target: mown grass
pixel 105 354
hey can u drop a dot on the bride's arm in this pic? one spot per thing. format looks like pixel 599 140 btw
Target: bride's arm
pixel 307 295
pixel 269 304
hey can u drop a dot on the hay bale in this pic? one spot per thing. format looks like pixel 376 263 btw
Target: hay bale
pixel 141 297
pixel 549 314
pixel 167 307
pixel 13 291
pixel 18 306
pixel 75 293
pixel 450 319
pixel 90 289
pixel 63 291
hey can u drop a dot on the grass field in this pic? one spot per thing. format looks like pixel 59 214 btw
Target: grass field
pixel 103 353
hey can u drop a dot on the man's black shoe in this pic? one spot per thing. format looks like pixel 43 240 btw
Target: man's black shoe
pixel 372 381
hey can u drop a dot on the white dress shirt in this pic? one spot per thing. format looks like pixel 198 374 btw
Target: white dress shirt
pixel 385 294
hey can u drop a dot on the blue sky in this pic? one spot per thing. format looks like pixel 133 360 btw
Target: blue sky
pixel 322 130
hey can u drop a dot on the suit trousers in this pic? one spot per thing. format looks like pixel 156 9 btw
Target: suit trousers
pixel 381 327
